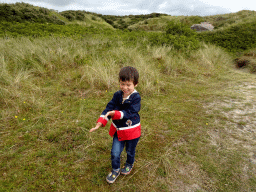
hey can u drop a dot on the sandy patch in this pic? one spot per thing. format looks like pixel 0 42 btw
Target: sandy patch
pixel 240 126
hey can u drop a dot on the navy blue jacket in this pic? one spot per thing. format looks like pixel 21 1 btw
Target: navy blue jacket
pixel 126 120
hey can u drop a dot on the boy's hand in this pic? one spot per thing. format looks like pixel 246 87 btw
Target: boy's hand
pixel 96 127
pixel 110 113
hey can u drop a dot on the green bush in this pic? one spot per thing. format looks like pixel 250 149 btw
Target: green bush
pixel 74 15
pixel 178 28
pixel 69 15
pixel 234 39
pixel 177 35
pixel 183 42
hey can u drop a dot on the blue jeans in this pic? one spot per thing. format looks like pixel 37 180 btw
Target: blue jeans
pixel 117 148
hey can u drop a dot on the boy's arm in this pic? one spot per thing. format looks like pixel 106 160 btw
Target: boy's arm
pixel 128 113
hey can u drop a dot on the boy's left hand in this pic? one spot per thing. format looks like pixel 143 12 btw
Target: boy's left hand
pixel 110 113
pixel 99 124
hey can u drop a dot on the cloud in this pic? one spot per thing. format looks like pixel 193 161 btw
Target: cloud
pixel 53 2
pixel 189 7
pixel 163 5
pixel 135 7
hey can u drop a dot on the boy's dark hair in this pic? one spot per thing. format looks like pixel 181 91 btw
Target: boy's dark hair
pixel 129 74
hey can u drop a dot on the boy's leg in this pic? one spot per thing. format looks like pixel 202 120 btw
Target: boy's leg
pixel 130 150
pixel 117 148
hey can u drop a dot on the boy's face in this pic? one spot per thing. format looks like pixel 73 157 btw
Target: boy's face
pixel 127 87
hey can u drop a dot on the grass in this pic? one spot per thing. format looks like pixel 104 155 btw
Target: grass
pixel 52 91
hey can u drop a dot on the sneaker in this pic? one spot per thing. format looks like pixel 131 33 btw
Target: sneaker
pixel 112 176
pixel 126 169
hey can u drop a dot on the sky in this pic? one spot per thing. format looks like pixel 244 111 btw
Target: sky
pixel 138 7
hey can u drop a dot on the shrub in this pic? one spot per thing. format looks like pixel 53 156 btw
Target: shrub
pixel 176 39
pixel 69 15
pixel 234 39
pixel 177 35
pixel 178 28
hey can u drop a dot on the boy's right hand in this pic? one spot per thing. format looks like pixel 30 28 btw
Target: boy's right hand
pixel 96 127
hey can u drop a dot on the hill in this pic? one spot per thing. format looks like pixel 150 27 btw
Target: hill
pixel 23 12
pixel 234 32
pixel 221 21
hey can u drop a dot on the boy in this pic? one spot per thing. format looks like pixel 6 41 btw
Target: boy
pixel 125 127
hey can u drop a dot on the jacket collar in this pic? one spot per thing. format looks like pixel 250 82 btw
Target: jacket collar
pixel 131 94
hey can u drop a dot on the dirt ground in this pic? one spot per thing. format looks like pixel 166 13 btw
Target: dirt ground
pixel 238 112
pixel 233 131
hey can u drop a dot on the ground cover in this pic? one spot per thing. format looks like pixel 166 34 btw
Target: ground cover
pixel 53 89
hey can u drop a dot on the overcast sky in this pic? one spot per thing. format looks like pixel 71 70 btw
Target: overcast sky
pixel 138 7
